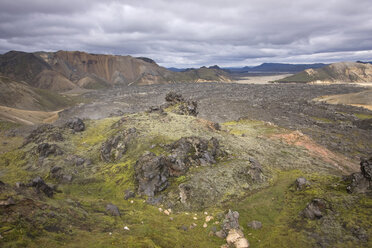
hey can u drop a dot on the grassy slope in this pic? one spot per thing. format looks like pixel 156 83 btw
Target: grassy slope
pixel 79 211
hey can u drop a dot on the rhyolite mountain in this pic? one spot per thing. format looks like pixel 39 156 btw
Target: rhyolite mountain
pixel 346 72
pixel 65 70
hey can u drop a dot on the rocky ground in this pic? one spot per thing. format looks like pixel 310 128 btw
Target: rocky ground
pixel 286 105
pixel 222 165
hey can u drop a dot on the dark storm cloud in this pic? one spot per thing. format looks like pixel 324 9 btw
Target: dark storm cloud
pixel 193 33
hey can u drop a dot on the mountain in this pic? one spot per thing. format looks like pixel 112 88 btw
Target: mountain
pixel 274 68
pixel 176 69
pixel 348 72
pixel 65 70
pixel 203 74
pixel 278 67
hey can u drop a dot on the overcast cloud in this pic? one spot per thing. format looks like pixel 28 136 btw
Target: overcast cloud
pixel 193 33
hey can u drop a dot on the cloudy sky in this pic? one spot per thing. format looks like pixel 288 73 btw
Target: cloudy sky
pixel 194 32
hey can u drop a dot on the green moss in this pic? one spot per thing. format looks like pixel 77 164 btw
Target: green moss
pixel 323 120
pixel 80 206
pixel 11 170
pixel 251 127
pixel 363 116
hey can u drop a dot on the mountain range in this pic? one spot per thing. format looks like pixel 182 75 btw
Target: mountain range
pixel 65 70
pixel 263 68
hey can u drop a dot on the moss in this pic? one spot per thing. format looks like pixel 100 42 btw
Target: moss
pixel 12 163
pixel 251 127
pixel 323 120
pixel 80 206
pixel 363 116
pixel 278 207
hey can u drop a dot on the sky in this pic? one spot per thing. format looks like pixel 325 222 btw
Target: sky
pixel 193 33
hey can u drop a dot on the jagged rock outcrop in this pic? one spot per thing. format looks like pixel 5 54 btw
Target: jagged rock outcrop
pixel 152 174
pixel 45 150
pixel 192 151
pixel 44 133
pixel 76 124
pixel 181 105
pixel 361 182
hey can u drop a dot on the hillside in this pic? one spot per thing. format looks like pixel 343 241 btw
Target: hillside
pixel 163 178
pixel 344 72
pixel 64 70
pixel 360 99
pixel 20 103
pixel 20 95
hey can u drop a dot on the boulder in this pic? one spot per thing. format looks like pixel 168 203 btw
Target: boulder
pixel 76 124
pixel 366 167
pixel 129 194
pixel 155 109
pixel 151 173
pixel 236 238
pixel 364 124
pixel 174 97
pixel 113 210
pixel 361 182
pixel 188 108
pixel 230 222
pixel 316 209
pixel 56 172
pixel 301 183
pixel 41 186
pixel 256 171
pixel 255 224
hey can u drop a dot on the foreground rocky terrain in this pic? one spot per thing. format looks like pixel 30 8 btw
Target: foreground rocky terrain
pixel 220 165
